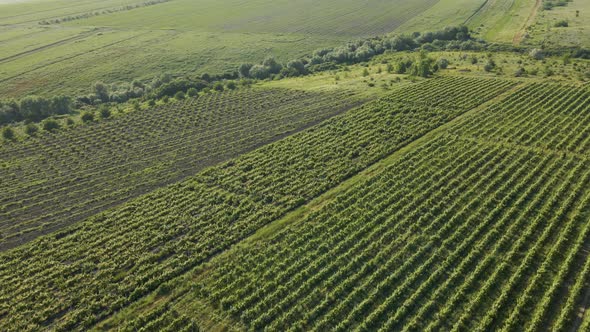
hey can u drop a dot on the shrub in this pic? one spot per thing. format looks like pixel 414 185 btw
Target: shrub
pixel 31 129
pixel 259 72
pixel 443 63
pixel 489 66
pixel 192 92
pixel 50 125
pixel 536 54
pixel 87 117
pixel 8 133
pixel 561 24
pixel 179 95
pixel 231 85
pixel 101 91
pixel 105 112
pixel 244 70
pixel 520 72
pixel 218 86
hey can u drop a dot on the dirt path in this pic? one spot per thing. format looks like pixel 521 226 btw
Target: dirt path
pixel 519 36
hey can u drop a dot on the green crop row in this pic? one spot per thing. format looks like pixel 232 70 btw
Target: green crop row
pixel 76 277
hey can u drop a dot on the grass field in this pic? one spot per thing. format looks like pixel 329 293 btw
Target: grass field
pixel 501 20
pixel 181 36
pixel 577 34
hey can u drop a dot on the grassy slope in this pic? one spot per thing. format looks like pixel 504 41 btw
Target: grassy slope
pixel 500 20
pixel 577 34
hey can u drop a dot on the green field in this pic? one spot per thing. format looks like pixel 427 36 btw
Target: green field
pixel 427 168
pixel 182 37
pixel 178 228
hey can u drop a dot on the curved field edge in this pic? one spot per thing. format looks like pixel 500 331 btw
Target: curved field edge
pixel 118 257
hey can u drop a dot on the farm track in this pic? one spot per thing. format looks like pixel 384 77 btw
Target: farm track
pixel 518 37
pixel 161 236
pixel 53 62
pixel 45 47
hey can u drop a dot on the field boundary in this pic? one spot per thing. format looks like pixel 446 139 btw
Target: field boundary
pixel 44 47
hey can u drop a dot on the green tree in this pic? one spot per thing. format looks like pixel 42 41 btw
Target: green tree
pixel 87 117
pixel 31 129
pixel 105 112
pixel 101 91
pixel 35 108
pixel 8 133
pixel 179 95
pixel 231 85
pixel 259 72
pixel 192 92
pixel 272 65
pixel 218 86
pixel 390 68
pixel 442 63
pixel 50 125
pixel 244 70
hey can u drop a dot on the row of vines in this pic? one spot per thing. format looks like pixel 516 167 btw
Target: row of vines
pixel 79 275
pixel 484 227
pixel 54 180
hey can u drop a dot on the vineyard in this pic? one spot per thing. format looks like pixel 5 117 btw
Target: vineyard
pixel 483 227
pixel 56 179
pixel 81 274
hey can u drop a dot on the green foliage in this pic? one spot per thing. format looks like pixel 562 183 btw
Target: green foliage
pixel 422 67
pixel 215 208
pixel 561 24
pixel 87 117
pixel 31 129
pixel 442 63
pixel 231 85
pixel 50 125
pixel 218 86
pixel 8 133
pixel 192 92
pixel 105 112
pixel 179 95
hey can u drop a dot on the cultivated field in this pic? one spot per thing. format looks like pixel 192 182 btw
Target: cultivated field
pixel 481 225
pixel 115 258
pixel 355 165
pixel 53 180
pixel 76 45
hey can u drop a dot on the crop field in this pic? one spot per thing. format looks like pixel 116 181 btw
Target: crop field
pixel 482 226
pixel 80 275
pixel 295 165
pixel 49 47
pixel 52 180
